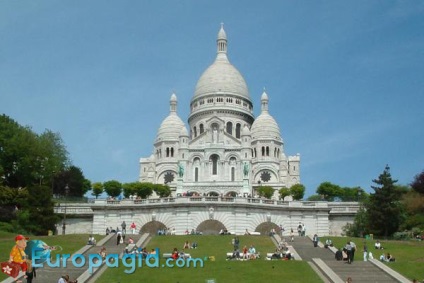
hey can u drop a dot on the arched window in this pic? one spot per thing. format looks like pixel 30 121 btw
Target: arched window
pixel 195 131
pixel 233 173
pixel 238 130
pixel 267 151
pixel 230 128
pixel 196 164
pixel 167 152
pixel 214 159
pixel 263 151
pixel 201 129
pixel 172 152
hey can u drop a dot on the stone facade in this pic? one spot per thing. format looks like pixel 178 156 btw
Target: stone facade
pixel 210 214
pixel 227 151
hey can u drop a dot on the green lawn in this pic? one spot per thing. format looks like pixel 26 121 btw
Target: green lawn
pixel 219 269
pixel 69 243
pixel 409 254
pixel 409 259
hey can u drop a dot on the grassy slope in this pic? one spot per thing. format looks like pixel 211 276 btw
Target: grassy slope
pixel 69 243
pixel 409 254
pixel 220 269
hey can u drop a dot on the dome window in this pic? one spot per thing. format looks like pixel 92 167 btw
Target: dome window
pixel 201 129
pixel 230 128
pixel 238 130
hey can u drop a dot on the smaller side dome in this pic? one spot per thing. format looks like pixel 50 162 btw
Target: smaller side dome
pixel 171 127
pixel 184 132
pixel 265 126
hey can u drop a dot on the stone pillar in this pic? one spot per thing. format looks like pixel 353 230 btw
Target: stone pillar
pixel 179 186
pixel 246 187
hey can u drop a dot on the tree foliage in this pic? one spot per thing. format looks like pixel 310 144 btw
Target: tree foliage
pixel 384 209
pixel 27 158
pixel 97 189
pixel 284 192
pixel 162 190
pixel 39 215
pixel 418 183
pixel 297 191
pixel 113 188
pixel 265 191
pixel 329 191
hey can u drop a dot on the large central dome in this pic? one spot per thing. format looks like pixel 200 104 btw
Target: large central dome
pixel 221 77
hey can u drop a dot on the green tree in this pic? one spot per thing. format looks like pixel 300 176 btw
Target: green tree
pixel 162 190
pixel 351 194
pixel 113 188
pixel 266 191
pixel 284 192
pixel 384 209
pixel 27 158
pixel 144 190
pixel 129 189
pixel 38 216
pixel 315 198
pixel 73 178
pixel 329 191
pixel 97 189
pixel 418 183
pixel 297 191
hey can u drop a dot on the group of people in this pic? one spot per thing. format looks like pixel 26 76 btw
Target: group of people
pixel 387 257
pixel 347 253
pixel 246 254
pixel 282 251
pixel 123 229
pixel 187 245
pixel 301 229
pixel 178 254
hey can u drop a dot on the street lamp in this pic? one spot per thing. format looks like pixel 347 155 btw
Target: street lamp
pixel 64 216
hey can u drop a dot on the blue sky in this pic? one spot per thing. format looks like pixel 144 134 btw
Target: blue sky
pixel 345 78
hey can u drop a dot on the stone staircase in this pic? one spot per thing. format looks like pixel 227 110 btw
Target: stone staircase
pixel 339 271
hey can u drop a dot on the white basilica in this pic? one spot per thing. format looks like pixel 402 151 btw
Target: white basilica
pixel 227 151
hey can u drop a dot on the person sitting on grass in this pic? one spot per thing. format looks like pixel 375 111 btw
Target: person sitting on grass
pixel 245 253
pixel 288 255
pixel 252 252
pixel 91 240
pixel 236 254
pixel 390 258
pixel 378 246
pixel 186 245
pixel 175 254
pixel 276 255
pixel 328 243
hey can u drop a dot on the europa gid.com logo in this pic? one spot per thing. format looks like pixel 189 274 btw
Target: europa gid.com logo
pixel 130 261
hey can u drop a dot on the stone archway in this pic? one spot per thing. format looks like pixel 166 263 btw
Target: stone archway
pixel 152 227
pixel 266 227
pixel 210 227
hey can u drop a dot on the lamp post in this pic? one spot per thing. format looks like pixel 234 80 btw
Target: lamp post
pixel 64 216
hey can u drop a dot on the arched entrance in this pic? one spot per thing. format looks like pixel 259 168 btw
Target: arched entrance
pixel 152 227
pixel 210 227
pixel 266 227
